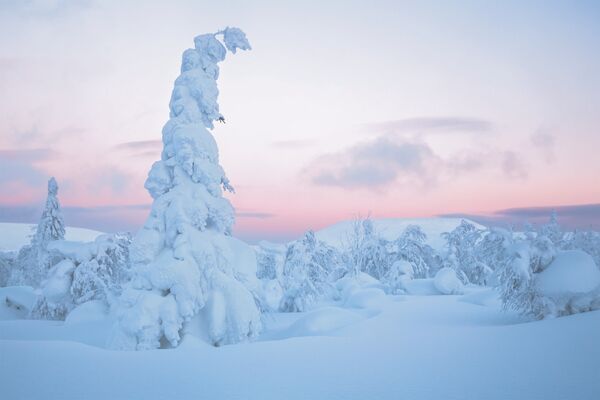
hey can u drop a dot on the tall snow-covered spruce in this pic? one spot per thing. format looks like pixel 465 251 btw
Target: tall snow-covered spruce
pixel 34 260
pixel 190 275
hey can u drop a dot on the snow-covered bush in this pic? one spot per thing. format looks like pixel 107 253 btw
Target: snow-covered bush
pixel 540 281
pixel 188 273
pixel 366 251
pixel 307 271
pixel 411 247
pixel 493 251
pixel 397 276
pixel 587 241
pixel 7 263
pixel 446 281
pixel 461 255
pixel 34 260
pixel 86 271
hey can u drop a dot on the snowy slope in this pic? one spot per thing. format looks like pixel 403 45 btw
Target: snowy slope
pixel 405 347
pixel 392 228
pixel 13 236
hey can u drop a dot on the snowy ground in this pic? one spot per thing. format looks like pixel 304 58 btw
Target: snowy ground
pixel 371 347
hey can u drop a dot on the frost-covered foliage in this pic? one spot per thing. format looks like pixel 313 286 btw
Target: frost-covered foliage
pixel 86 271
pixel 540 281
pixel 34 260
pixel 366 251
pixel 587 241
pixel 188 273
pixel 309 265
pixel 7 263
pixel 270 258
pixel 493 250
pixel 411 246
pixel 461 255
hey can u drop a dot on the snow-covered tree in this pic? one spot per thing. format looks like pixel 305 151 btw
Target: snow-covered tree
pixel 34 260
pixel 86 271
pixel 461 255
pixel 411 246
pixel 308 266
pixel 7 263
pixel 493 250
pixel 188 272
pixel 366 251
pixel 588 241
pixel 553 231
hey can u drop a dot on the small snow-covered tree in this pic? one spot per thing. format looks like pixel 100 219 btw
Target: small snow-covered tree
pixel 493 250
pixel 411 246
pixel 34 260
pixel 366 251
pixel 188 272
pixel 553 231
pixel 461 255
pixel 7 263
pixel 308 265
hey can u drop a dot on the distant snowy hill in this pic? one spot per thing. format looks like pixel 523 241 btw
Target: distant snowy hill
pixel 392 228
pixel 13 236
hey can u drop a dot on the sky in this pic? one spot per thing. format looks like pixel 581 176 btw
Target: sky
pixel 342 109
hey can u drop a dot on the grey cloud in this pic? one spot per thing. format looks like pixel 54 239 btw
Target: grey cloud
pixel 513 165
pixel 20 166
pixel 141 148
pixel 545 142
pixel 431 125
pixel 376 163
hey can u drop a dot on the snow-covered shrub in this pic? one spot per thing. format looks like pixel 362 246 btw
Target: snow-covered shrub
pixel 86 271
pixel 269 259
pixel 188 273
pixel 34 260
pixel 306 273
pixel 587 241
pixel 366 251
pixel 446 281
pixel 540 281
pixel 493 251
pixel 461 255
pixel 397 276
pixel 7 263
pixel 411 247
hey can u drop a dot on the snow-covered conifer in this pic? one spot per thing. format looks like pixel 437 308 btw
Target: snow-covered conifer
pixel 188 273
pixel 366 251
pixel 34 261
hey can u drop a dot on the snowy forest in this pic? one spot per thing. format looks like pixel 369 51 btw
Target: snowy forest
pixel 437 307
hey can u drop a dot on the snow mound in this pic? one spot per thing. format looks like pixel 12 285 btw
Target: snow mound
pixel 391 228
pixel 16 302
pixel 446 282
pixel 90 311
pixel 571 272
pixel 366 298
pixel 421 287
pixel 486 297
pixel 322 321
pixel 13 236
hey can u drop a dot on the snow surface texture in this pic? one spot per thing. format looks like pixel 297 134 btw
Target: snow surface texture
pixel 189 275
pixel 419 347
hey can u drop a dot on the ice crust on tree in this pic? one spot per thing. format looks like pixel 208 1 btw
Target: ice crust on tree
pixel 187 270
